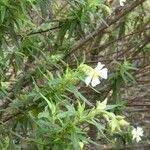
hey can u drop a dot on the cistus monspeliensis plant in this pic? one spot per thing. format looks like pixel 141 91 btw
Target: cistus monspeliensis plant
pixel 68 69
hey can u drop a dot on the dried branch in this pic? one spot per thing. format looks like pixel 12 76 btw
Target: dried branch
pixel 110 21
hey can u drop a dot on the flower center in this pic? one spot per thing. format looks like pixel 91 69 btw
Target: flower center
pixel 95 74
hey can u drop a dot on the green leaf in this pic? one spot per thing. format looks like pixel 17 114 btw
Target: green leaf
pixel 51 105
pixel 75 140
pixel 78 95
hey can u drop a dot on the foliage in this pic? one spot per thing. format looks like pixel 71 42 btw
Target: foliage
pixel 45 48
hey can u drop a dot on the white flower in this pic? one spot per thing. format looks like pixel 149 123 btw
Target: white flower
pixel 137 133
pixel 122 2
pixel 94 74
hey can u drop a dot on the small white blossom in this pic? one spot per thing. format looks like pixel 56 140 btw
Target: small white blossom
pixel 137 133
pixel 122 2
pixel 95 74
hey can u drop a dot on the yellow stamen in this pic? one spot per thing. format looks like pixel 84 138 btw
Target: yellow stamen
pixel 95 74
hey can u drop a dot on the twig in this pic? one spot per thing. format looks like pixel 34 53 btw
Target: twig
pixel 43 31
pixel 111 20
pixel 116 40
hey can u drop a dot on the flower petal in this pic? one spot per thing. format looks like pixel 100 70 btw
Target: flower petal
pixel 103 73
pixel 141 133
pixel 133 137
pixel 99 66
pixel 134 131
pixel 138 138
pixel 88 80
pixel 139 129
pixel 95 81
pixel 121 3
